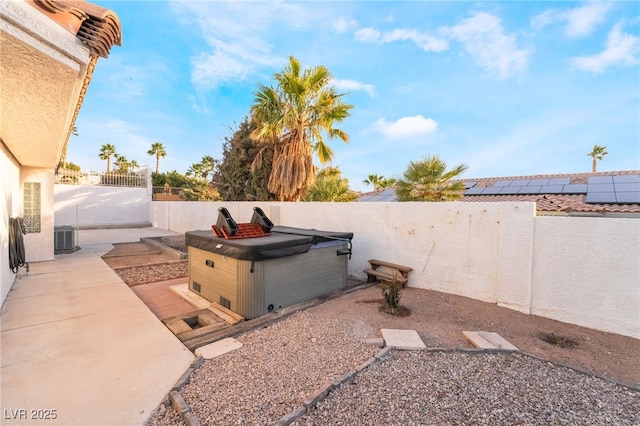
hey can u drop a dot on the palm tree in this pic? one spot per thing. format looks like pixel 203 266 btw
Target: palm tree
pixel 379 182
pixel 291 118
pixel 598 153
pixel 208 164
pixel 106 151
pixel 159 151
pixel 196 170
pixel 330 186
pixel 429 180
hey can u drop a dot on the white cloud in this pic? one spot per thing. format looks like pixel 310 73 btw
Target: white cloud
pixel 621 50
pixel 424 41
pixel 209 70
pixel 367 35
pixel 580 22
pixel 342 25
pixel 352 85
pixel 406 127
pixel 484 38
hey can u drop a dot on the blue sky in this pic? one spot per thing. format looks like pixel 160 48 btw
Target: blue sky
pixel 507 88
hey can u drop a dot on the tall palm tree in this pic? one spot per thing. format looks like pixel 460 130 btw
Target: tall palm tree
pixel 598 153
pixel 157 149
pixel 291 119
pixel 195 170
pixel 208 164
pixel 429 180
pixel 106 151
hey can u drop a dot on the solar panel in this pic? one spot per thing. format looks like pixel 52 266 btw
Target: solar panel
pixel 626 179
pixel 574 189
pixel 627 187
pixel 531 189
pixel 600 187
pixel 552 189
pixel 474 191
pixel 502 183
pixel 492 190
pixel 600 179
pixel 628 197
pixel 560 181
pixel 601 197
pixel 519 182
pixel 471 184
pixel 538 182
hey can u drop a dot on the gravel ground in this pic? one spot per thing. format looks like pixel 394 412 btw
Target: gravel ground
pixel 436 388
pixel 279 366
pixel 145 274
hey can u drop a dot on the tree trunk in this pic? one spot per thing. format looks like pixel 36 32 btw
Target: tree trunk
pixel 593 165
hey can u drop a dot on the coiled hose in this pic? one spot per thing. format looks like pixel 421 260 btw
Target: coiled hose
pixel 17 255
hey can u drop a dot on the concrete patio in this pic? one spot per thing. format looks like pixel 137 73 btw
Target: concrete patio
pixel 79 347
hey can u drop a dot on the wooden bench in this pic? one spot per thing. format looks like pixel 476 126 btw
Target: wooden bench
pixel 388 273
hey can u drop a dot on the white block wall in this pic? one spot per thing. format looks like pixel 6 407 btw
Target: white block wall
pixel 86 206
pixel 584 271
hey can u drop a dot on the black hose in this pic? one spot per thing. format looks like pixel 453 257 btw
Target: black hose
pixel 17 255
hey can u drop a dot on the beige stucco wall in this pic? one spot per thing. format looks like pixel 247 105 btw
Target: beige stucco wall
pixel 10 206
pixel 588 269
pixel 583 271
pixel 39 246
pixel 100 206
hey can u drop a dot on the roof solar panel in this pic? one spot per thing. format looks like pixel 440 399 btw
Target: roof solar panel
pixel 626 179
pixel 574 189
pixel 538 182
pixel 600 179
pixel 531 189
pixel 626 187
pixel 470 184
pixel 502 183
pixel 628 197
pixel 560 181
pixel 601 197
pixel 551 189
pixel 600 187
pixel 519 182
pixel 491 190
pixel 474 191
pixel 510 189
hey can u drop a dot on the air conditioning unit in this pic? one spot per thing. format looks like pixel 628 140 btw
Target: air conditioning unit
pixel 64 238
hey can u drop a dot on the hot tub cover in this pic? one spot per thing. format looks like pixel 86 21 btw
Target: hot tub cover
pixel 283 241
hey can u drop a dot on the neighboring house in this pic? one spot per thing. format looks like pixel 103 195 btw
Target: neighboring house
pixel 579 194
pixel 47 56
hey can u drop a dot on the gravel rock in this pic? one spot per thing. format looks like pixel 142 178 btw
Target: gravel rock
pixel 434 388
pixel 274 371
pixel 281 365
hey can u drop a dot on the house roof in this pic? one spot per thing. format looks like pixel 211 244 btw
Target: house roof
pixel 603 193
pixel 95 26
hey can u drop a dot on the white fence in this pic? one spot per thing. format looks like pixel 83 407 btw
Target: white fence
pixel 84 206
pixel 584 271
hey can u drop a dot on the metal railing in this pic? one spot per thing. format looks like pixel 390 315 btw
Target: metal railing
pixel 136 179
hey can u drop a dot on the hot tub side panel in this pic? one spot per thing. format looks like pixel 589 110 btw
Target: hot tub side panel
pixel 213 277
pixel 304 276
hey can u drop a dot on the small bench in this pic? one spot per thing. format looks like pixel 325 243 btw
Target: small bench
pixel 388 273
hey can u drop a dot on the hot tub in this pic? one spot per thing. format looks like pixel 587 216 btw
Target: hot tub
pixel 254 276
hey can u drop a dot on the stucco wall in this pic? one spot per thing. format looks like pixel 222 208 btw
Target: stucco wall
pixel 495 252
pixel 87 206
pixel 588 268
pixel 10 206
pixel 39 245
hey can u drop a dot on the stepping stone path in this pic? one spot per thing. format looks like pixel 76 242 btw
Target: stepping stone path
pixel 488 340
pixel 402 339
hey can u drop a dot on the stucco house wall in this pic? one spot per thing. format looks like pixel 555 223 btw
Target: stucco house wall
pixel 10 206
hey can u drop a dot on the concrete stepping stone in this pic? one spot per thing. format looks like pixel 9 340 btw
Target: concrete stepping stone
pixel 218 348
pixel 488 340
pixel 402 339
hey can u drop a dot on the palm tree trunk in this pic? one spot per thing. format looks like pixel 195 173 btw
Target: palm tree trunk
pixel 593 165
pixel 157 163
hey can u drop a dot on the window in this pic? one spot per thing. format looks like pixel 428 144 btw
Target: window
pixel 31 202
